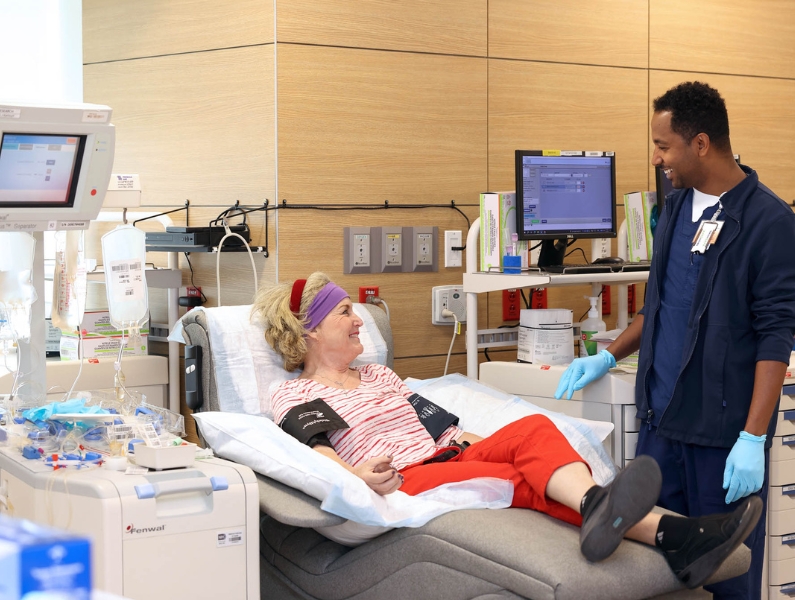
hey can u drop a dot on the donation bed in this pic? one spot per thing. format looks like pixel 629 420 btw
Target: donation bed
pixel 462 554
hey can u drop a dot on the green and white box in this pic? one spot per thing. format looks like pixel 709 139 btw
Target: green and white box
pixel 639 207
pixel 497 227
pixel 546 336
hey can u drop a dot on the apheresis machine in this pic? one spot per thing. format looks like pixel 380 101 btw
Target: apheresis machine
pixel 165 518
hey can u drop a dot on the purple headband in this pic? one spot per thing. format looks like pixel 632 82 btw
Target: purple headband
pixel 327 298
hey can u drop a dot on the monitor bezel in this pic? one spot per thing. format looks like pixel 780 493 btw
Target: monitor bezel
pixel 563 234
pixel 74 177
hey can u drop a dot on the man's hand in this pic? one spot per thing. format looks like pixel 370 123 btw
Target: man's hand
pixel 745 467
pixel 583 371
pixel 379 475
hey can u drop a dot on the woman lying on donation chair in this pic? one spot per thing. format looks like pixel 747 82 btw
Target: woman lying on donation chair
pixel 370 422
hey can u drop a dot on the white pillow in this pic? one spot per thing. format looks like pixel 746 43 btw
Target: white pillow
pixel 482 410
pixel 258 443
pixel 239 350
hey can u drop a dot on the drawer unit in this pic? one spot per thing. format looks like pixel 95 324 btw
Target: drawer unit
pixel 630 445
pixel 631 423
pixel 781 565
pixel 776 592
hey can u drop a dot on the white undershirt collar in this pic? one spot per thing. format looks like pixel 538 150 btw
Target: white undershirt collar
pixel 701 202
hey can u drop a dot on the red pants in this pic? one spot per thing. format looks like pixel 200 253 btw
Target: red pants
pixel 526 451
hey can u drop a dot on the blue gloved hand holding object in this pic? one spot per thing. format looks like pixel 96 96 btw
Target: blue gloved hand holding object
pixel 745 467
pixel 583 371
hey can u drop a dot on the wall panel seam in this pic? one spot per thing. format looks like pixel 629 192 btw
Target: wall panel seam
pixel 723 74
pixel 392 50
pixel 134 58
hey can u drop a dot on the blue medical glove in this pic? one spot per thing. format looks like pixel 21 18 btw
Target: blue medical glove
pixel 583 371
pixel 745 467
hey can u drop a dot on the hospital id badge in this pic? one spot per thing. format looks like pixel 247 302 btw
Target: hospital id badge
pixel 707 234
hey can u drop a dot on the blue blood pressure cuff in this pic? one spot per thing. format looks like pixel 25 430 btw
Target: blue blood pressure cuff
pixel 434 418
pixel 309 422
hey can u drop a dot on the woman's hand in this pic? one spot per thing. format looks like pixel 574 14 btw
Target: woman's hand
pixel 379 475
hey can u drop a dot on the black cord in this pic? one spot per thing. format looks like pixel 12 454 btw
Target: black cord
pixel 486 354
pixel 536 246
pixel 524 299
pixel 187 257
pixel 585 258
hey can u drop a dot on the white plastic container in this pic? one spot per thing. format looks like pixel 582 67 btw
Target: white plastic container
pixel 589 327
pixel 167 457
pixel 545 336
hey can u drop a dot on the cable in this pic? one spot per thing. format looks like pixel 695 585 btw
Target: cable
pixel 449 313
pixel 486 354
pixel 585 258
pixel 230 233
pixel 80 368
pixel 193 285
pixel 378 301
pixel 524 299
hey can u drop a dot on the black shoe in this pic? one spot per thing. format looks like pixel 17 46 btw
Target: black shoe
pixel 618 506
pixel 712 542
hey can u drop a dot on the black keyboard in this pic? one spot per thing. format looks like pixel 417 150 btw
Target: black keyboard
pixel 634 267
pixel 573 269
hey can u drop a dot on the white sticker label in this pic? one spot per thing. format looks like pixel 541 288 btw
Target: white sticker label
pixel 72 225
pixel 124 182
pixel 135 470
pixel 787 488
pixel 787 538
pixel 594 153
pixel 127 280
pixel 230 538
pixel 571 152
pixel 10 113
pixel 788 439
pixel 95 116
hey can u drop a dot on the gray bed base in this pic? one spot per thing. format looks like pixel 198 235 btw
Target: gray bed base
pixel 467 554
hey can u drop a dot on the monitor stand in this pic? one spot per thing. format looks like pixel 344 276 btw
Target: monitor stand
pixel 552 253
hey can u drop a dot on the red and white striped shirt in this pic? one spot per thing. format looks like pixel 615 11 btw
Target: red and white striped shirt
pixel 381 420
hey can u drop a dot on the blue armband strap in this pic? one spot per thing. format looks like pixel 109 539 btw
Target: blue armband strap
pixel 434 418
pixel 309 422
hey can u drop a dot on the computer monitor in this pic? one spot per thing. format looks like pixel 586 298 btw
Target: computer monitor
pixel 55 165
pixel 564 195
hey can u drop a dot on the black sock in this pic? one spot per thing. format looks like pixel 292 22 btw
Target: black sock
pixel 673 532
pixel 588 498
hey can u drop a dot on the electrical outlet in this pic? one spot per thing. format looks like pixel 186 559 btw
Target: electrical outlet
pixel 538 298
pixel 452 298
pixel 631 299
pixel 605 300
pixel 366 292
pixel 511 304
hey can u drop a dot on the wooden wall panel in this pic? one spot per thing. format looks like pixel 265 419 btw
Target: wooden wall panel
pixel 358 126
pixel 122 29
pixel 605 32
pixel 761 121
pixel 723 36
pixel 538 106
pixel 194 126
pixel 199 127
pixel 362 126
pixel 437 26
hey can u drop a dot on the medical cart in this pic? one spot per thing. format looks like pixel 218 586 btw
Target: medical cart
pixel 179 533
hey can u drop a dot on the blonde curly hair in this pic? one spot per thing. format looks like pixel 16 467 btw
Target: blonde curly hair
pixel 285 331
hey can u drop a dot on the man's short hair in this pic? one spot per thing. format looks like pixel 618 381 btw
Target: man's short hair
pixel 696 108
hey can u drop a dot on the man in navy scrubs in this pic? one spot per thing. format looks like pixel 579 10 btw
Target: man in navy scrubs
pixel 717 327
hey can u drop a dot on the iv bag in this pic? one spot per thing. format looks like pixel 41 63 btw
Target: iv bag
pixel 124 257
pixel 17 293
pixel 69 280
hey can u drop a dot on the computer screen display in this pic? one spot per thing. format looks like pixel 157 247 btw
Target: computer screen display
pixel 40 170
pixel 570 195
